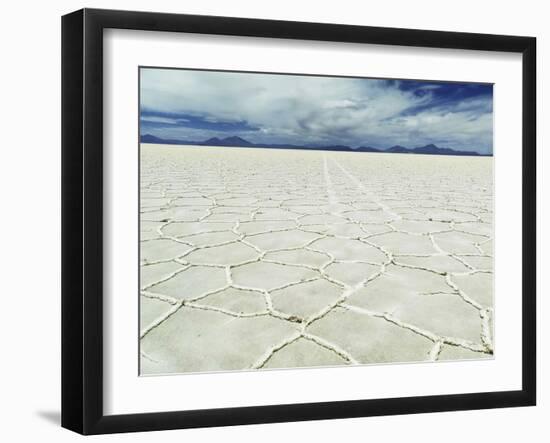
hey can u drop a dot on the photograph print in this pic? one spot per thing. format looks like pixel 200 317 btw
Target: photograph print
pixel 295 221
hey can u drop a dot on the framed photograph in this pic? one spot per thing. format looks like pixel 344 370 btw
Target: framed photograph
pixel 269 221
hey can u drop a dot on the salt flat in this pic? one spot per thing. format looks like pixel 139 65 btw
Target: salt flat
pixel 264 258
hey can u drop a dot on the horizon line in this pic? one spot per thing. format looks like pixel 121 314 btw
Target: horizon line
pixel 341 147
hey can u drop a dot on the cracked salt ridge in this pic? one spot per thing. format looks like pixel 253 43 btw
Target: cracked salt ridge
pixel 485 313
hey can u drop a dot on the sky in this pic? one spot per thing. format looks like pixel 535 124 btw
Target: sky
pixel 191 105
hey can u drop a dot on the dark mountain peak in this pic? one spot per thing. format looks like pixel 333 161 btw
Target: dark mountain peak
pixel 431 148
pixel 238 141
pixel 148 138
pixel 214 140
pixel 228 141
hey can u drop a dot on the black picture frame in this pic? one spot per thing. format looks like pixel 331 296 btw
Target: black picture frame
pixel 82 220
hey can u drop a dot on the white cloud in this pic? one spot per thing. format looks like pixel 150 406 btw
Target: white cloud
pixel 155 119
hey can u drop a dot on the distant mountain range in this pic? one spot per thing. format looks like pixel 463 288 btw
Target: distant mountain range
pixel 235 141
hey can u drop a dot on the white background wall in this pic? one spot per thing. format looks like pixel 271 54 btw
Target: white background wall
pixel 30 217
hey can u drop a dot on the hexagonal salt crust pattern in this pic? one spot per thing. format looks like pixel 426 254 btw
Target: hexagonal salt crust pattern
pixel 256 258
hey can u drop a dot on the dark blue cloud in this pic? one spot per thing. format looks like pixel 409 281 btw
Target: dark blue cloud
pixel 159 120
pixel 442 97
